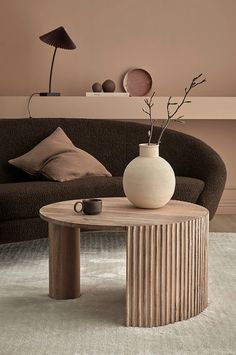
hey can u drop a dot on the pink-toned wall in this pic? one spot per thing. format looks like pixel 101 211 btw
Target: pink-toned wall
pixel 172 39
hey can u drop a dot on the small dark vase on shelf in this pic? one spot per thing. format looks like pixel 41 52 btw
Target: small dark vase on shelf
pixel 108 86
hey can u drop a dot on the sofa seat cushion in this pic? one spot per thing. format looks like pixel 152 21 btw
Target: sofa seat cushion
pixel 188 189
pixel 24 199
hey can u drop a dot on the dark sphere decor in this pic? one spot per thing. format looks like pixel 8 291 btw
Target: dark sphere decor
pixel 97 87
pixel 108 86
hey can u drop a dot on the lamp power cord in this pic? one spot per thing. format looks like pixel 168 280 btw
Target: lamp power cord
pixel 28 103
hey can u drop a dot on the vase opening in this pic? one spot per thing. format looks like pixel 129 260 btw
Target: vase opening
pixel 148 150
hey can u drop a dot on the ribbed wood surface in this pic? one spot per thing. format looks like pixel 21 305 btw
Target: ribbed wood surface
pixel 166 256
pixel 166 272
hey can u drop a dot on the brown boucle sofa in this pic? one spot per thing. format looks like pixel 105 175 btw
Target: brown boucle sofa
pixel 200 172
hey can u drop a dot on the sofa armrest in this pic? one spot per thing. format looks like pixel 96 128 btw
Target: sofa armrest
pixel 192 157
pixel 188 157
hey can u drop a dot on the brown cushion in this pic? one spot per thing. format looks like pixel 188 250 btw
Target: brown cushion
pixel 73 165
pixel 34 160
pixel 58 159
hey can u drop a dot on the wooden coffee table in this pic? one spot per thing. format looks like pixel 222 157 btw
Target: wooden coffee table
pixel 166 263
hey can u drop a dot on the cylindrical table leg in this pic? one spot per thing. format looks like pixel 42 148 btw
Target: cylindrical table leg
pixel 64 262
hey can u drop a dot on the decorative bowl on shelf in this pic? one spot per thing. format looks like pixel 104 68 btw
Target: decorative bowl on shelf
pixel 137 82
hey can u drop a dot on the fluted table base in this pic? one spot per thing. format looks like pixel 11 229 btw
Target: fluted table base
pixel 166 256
pixel 166 272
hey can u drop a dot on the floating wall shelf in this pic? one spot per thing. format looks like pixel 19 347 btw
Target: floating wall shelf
pixel 113 107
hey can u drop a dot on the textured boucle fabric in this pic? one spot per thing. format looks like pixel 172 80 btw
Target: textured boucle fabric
pixel 188 157
pixel 103 139
pixel 20 220
pixel 31 196
pixel 200 171
pixel 22 229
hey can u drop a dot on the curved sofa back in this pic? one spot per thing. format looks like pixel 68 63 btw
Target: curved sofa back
pixel 104 139
pixel 113 143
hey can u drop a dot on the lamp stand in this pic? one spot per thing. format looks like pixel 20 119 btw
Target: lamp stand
pixel 50 93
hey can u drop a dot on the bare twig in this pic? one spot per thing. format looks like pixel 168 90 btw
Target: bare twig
pixel 170 115
pixel 170 112
pixel 149 104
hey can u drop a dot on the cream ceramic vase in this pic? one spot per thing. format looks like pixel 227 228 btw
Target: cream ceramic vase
pixel 149 180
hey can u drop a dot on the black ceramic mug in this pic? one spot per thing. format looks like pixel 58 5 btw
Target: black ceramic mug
pixel 90 206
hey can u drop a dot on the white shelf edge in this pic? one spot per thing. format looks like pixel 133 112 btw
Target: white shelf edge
pixel 217 108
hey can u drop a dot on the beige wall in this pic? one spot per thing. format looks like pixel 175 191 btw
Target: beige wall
pixel 172 39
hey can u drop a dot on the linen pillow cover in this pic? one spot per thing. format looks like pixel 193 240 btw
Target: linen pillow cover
pixel 58 159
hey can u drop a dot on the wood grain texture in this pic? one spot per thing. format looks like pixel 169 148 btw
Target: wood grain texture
pixel 64 262
pixel 166 268
pixel 166 272
pixel 119 213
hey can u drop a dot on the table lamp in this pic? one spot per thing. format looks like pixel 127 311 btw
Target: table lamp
pixel 57 38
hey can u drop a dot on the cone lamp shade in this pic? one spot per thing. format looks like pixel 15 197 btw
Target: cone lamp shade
pixel 57 38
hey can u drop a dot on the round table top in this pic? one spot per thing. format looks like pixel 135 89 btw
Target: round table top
pixel 119 213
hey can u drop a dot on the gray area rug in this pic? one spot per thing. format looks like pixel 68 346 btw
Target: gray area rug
pixel 32 323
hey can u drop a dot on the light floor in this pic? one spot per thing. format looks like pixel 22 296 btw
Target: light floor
pixel 223 223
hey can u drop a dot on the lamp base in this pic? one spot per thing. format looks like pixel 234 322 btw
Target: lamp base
pixel 49 94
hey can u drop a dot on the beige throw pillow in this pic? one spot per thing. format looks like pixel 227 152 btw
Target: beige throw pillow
pixel 32 161
pixel 58 159
pixel 73 165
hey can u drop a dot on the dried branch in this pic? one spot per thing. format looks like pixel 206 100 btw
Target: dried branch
pixel 170 105
pixel 170 115
pixel 149 104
